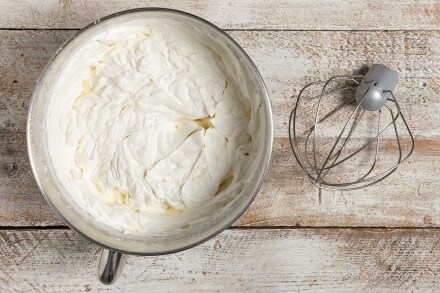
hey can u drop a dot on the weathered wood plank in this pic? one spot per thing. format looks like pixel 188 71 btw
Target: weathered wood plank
pixel 323 260
pixel 248 14
pixel 287 61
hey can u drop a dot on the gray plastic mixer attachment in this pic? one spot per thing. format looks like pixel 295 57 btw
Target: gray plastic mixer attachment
pixel 376 86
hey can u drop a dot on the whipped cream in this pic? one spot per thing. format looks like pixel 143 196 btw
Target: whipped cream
pixel 148 129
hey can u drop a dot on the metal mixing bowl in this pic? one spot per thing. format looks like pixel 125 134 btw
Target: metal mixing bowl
pixel 118 244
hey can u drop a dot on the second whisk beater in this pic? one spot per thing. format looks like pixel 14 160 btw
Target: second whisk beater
pixel 349 132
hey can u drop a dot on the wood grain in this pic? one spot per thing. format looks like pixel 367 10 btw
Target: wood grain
pixel 244 14
pixel 287 60
pixel 324 260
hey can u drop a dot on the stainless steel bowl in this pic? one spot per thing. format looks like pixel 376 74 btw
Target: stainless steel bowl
pixel 118 244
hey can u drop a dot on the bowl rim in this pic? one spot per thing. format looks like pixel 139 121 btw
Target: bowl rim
pixel 266 156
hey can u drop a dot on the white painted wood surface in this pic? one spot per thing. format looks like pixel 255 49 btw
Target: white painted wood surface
pixel 287 60
pixel 243 14
pixel 323 260
pixel 292 43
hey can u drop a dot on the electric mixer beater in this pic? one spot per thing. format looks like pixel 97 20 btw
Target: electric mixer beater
pixel 361 155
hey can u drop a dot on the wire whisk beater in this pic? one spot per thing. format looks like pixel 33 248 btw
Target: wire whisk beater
pixel 349 132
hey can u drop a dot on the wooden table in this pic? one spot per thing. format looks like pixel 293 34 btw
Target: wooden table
pixel 293 237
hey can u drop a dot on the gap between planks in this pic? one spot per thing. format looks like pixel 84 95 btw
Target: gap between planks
pixel 249 30
pixel 357 228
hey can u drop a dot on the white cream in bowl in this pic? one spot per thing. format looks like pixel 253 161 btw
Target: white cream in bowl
pixel 149 129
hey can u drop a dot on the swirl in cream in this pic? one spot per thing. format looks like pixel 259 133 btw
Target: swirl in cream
pixel 147 128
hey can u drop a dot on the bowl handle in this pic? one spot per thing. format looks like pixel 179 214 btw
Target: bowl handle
pixel 110 266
